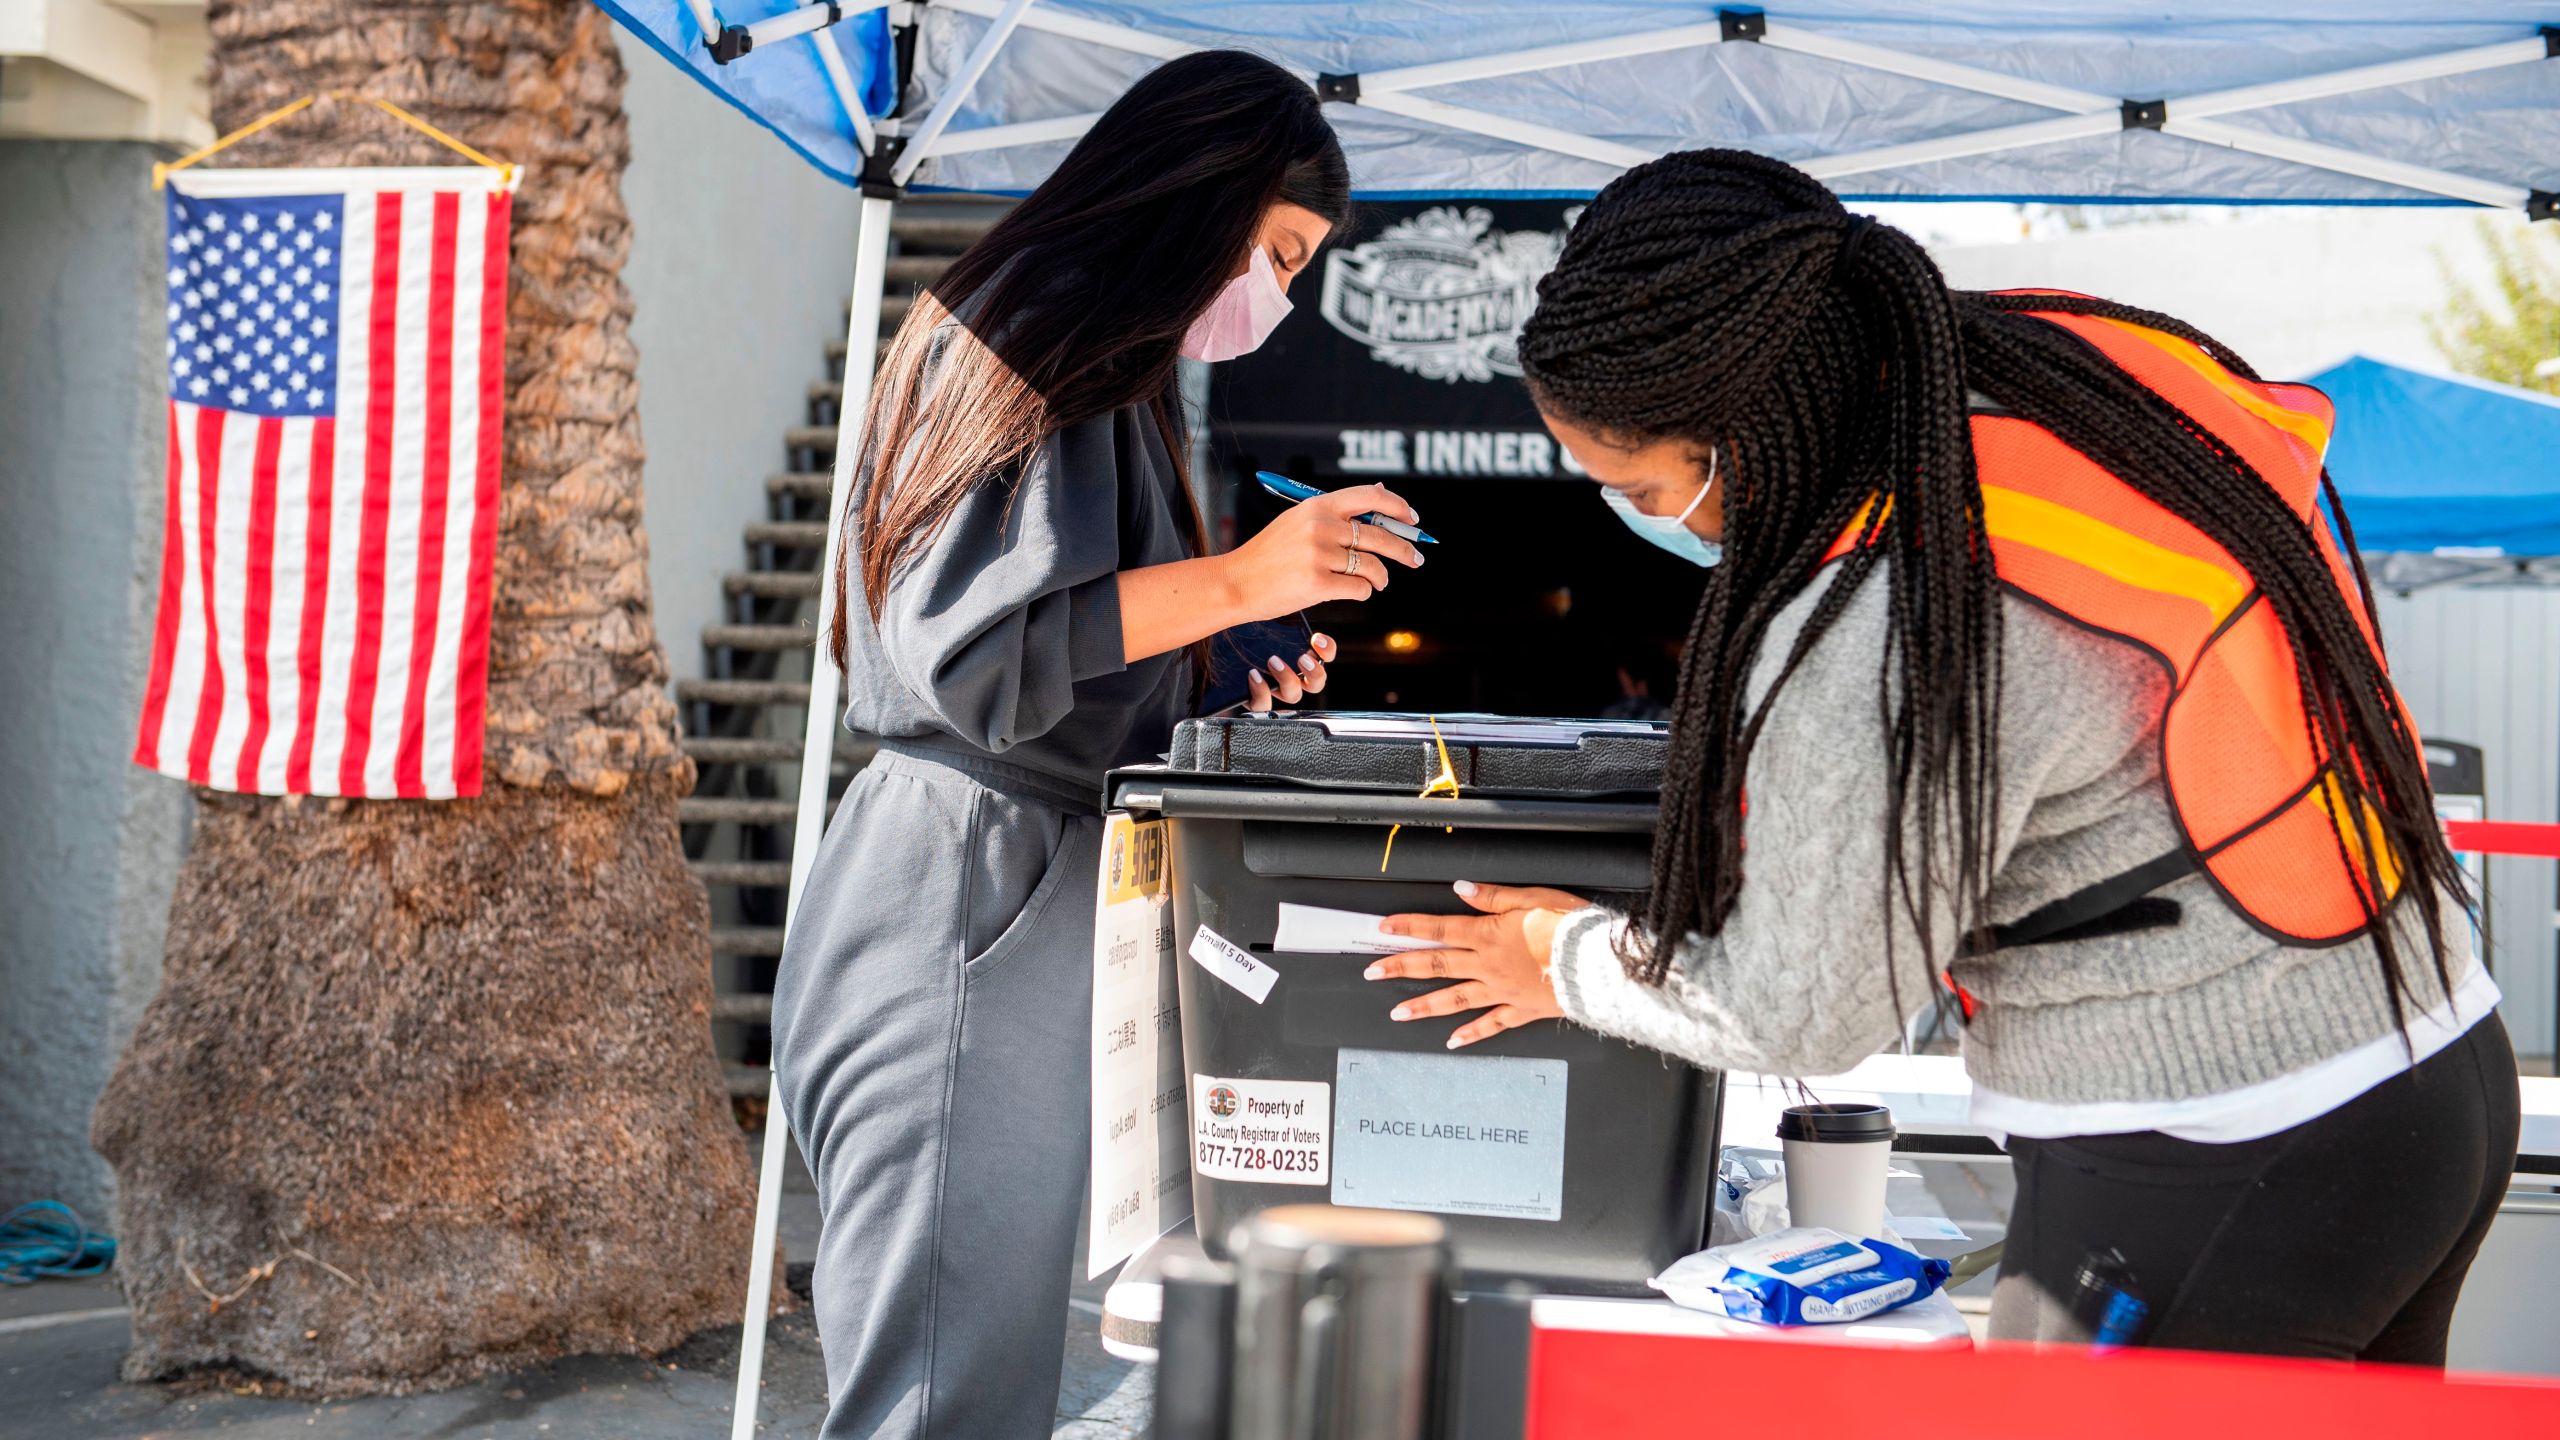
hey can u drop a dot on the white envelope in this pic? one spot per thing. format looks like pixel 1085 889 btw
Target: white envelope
pixel 1315 930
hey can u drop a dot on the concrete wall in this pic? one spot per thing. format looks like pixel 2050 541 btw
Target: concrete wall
pixel 2483 666
pixel 89 844
pixel 741 261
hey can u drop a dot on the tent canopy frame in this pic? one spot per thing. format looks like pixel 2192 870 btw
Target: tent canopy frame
pixel 895 148
pixel 2196 117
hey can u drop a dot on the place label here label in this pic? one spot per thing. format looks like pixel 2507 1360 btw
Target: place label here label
pixel 1453 1134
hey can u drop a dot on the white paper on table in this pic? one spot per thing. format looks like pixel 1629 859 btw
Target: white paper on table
pixel 1315 930
pixel 1925 1227
pixel 1139 1185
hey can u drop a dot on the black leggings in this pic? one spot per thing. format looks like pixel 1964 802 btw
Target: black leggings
pixel 2345 1237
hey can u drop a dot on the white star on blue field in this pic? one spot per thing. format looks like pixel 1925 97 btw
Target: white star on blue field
pixel 253 303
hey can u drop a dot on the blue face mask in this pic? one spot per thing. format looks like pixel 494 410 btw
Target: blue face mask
pixel 1671 532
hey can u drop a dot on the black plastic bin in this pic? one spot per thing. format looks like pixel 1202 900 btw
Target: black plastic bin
pixel 1312 1094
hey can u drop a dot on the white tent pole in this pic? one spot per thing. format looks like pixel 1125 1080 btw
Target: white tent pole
pixel 2366 77
pixel 1097 32
pixel 1500 127
pixel 808 19
pixel 2198 106
pixel 840 80
pixel 817 760
pixel 1544 57
pixel 1503 127
pixel 1000 137
pixel 2188 116
pixel 2348 162
pixel 1954 147
pixel 706 18
pixel 957 94
pixel 1942 72
pixel 2087 114
pixel 1068 127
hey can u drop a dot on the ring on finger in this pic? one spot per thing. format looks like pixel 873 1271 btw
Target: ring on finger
pixel 1350 560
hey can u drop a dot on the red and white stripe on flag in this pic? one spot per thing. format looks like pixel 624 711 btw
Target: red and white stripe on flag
pixel 337 354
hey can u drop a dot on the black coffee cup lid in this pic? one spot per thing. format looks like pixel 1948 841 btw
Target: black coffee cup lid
pixel 1844 1120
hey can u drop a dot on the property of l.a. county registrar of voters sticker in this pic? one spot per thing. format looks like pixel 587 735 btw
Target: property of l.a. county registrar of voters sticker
pixel 1272 1132
pixel 1230 962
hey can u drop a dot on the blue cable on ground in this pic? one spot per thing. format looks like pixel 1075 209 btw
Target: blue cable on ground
pixel 46 1238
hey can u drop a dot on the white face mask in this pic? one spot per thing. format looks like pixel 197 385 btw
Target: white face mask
pixel 1242 317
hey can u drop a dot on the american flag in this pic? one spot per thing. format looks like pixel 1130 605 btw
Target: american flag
pixel 336 350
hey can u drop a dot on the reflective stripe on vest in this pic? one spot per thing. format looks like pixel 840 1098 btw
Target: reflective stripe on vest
pixel 2264 820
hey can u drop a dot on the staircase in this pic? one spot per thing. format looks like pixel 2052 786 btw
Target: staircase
pixel 743 721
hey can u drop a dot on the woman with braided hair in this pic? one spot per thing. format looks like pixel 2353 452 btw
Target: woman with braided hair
pixel 2028 667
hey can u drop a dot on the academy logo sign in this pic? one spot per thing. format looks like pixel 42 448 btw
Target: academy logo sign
pixel 1442 294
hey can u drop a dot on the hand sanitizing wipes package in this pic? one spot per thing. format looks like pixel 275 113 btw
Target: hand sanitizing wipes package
pixel 1801 1276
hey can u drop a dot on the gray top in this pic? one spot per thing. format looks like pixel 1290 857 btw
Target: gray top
pixel 1795 983
pixel 1002 636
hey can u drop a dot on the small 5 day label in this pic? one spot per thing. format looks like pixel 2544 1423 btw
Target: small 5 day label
pixel 1273 1132
pixel 1232 963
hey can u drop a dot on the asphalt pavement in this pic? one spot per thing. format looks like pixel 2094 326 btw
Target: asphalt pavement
pixel 61 1342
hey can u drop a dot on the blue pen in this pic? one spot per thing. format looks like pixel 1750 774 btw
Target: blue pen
pixel 1293 492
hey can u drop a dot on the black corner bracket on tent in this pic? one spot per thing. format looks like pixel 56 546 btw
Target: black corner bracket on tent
pixel 1338 89
pixel 2542 205
pixel 2550 42
pixel 879 169
pixel 2145 114
pixel 736 40
pixel 1743 24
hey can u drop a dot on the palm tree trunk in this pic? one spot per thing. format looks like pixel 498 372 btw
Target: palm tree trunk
pixel 428 1088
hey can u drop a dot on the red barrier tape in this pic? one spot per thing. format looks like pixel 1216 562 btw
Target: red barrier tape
pixel 1587 1385
pixel 2504 837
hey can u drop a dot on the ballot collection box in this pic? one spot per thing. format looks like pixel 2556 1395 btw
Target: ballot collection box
pixel 1555 1156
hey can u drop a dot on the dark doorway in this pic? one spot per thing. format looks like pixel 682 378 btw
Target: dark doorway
pixel 1400 365
pixel 1531 604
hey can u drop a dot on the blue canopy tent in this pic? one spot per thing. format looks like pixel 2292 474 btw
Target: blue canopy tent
pixel 2448 479
pixel 2297 101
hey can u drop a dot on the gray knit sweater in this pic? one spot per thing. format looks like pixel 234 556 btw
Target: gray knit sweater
pixel 1795 984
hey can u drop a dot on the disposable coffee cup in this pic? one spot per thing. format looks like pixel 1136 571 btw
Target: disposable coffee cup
pixel 1837 1156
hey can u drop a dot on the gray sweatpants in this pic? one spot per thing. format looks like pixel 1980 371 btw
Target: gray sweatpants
pixel 930 1029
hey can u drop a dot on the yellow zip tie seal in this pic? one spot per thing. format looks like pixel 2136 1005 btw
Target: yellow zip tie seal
pixel 1443 785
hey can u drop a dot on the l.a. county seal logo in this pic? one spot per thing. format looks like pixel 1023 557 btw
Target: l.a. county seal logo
pixel 1442 294
pixel 1222 1100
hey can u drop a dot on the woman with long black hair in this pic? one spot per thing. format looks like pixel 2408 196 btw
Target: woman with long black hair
pixel 2028 666
pixel 1029 593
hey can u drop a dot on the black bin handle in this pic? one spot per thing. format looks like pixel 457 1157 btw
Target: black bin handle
pixel 1178 801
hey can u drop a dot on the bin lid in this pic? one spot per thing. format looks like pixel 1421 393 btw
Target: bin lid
pixel 1388 751
pixel 1476 729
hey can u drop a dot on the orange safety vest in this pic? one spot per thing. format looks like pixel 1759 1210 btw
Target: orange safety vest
pixel 2260 815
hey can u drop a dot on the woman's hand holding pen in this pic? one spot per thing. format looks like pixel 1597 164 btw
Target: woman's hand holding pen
pixel 1500 958
pixel 1321 551
pixel 1310 553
